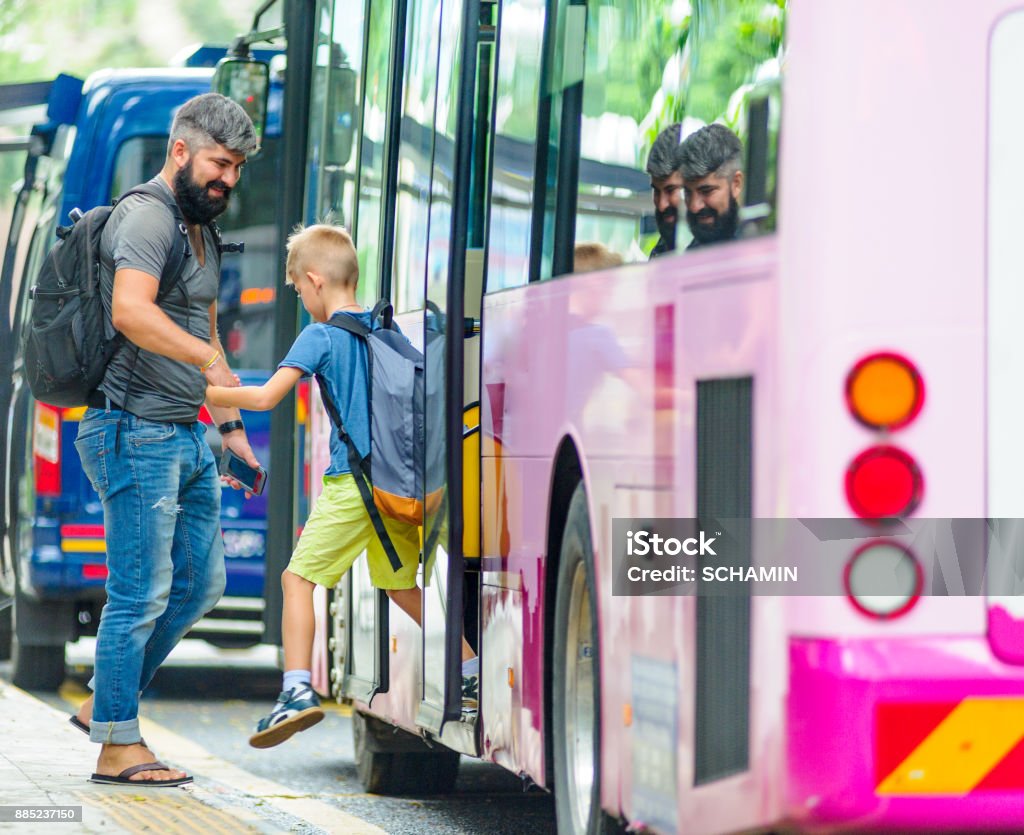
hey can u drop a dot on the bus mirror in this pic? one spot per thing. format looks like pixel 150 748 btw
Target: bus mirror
pixel 343 116
pixel 246 82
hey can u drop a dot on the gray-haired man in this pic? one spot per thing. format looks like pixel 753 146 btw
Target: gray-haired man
pixel 704 174
pixel 711 167
pixel 666 187
pixel 140 441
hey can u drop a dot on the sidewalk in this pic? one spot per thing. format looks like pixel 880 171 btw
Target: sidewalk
pixel 45 762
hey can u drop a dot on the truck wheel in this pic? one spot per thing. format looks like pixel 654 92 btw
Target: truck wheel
pixel 37 667
pixel 576 717
pixel 397 772
pixel 6 632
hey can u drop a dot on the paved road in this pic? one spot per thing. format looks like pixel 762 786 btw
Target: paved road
pixel 215 697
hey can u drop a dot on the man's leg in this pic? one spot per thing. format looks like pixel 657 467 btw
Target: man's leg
pixel 197 552
pixel 129 482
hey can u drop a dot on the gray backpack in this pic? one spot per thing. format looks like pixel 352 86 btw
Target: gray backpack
pixel 392 478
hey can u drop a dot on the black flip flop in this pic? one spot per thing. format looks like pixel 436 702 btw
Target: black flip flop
pixel 125 777
pixel 75 722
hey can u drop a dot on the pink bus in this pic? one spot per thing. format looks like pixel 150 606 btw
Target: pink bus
pixel 855 353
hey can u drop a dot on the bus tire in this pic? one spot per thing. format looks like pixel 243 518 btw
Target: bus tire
pixel 576 721
pixel 414 769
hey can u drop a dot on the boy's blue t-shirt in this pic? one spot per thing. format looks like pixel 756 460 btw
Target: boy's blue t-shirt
pixel 340 358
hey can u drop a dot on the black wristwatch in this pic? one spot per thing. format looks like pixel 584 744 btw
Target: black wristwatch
pixel 230 426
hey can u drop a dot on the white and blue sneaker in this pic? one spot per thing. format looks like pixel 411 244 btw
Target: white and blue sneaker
pixel 470 695
pixel 296 710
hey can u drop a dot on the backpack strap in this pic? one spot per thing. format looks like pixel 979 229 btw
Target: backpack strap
pixel 383 311
pixel 344 322
pixel 174 269
pixel 360 467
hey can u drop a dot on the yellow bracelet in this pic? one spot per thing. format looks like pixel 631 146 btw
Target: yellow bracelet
pixel 211 363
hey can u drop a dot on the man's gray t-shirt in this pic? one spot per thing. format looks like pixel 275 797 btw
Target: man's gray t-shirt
pixel 140 235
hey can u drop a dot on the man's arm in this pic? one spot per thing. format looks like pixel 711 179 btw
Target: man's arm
pixel 256 398
pixel 135 313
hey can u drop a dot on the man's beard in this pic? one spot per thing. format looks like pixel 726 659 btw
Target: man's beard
pixel 667 229
pixel 722 228
pixel 194 199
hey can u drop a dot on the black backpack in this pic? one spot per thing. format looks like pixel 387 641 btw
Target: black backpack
pixel 66 349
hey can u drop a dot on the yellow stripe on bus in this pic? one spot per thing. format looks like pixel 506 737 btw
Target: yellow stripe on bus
pixel 962 750
pixel 73 414
pixel 83 546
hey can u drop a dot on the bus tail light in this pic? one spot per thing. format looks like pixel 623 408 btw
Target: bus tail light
pixel 883 579
pixel 884 391
pixel 883 482
pixel 46 450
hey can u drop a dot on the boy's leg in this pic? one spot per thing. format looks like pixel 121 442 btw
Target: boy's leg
pixel 409 601
pixel 298 706
pixel 330 543
pixel 297 622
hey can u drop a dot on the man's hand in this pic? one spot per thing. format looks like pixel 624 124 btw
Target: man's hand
pixel 219 374
pixel 238 443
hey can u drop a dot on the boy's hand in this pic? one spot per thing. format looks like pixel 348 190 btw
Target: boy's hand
pixel 219 374
pixel 238 443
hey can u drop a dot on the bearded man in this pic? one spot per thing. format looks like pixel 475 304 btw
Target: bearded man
pixel 140 441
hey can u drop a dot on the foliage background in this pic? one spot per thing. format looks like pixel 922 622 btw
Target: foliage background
pixel 41 38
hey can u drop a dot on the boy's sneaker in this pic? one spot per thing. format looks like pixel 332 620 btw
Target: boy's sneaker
pixel 470 695
pixel 296 710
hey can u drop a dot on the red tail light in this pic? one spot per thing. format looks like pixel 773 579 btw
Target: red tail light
pixel 883 482
pixel 46 438
pixel 94 571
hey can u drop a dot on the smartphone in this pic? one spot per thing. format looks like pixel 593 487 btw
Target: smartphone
pixel 252 479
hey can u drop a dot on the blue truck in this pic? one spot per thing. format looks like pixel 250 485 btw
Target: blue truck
pixel 95 140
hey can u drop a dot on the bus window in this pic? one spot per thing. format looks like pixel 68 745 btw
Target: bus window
pixel 415 154
pixel 333 122
pixel 633 55
pixel 250 280
pixel 521 35
pixel 377 79
pixel 647 69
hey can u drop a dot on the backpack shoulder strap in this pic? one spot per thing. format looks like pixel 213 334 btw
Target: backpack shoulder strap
pixel 348 323
pixel 384 312
pixel 174 269
pixel 360 468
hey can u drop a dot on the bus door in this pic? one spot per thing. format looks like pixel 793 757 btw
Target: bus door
pixel 455 24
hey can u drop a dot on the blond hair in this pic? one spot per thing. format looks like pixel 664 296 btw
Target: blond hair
pixel 325 249
pixel 592 255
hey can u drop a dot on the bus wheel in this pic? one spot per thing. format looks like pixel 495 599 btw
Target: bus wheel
pixel 577 674
pixel 392 761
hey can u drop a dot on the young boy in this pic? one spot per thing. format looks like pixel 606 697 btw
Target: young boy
pixel 323 269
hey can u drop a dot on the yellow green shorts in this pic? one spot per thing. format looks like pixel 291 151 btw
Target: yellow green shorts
pixel 339 530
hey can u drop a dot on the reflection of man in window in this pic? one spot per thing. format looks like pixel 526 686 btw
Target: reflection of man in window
pixel 666 186
pixel 710 165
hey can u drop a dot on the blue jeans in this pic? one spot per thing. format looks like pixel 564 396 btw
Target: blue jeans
pixel 165 554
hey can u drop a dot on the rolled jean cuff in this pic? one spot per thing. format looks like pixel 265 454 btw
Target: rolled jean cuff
pixel 115 733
